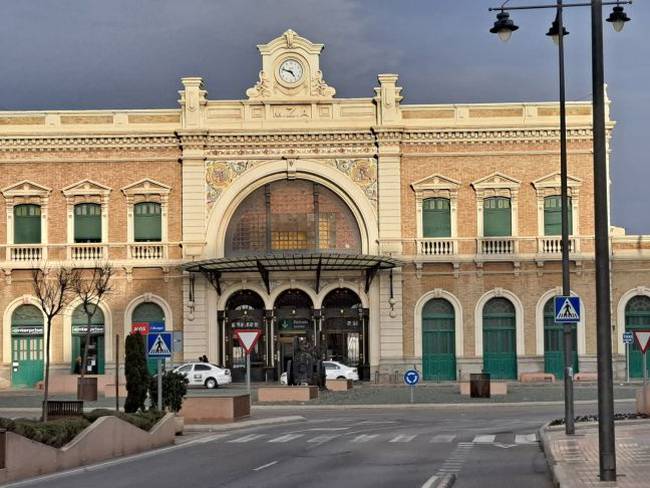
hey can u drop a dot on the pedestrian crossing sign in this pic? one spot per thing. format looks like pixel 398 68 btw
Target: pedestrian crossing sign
pixel 567 310
pixel 159 345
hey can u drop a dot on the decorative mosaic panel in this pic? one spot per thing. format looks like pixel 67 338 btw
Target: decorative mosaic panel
pixel 221 174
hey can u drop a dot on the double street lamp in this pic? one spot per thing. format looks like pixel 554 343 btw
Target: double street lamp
pixel 504 27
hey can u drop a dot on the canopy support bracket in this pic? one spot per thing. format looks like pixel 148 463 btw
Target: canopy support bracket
pixel 214 277
pixel 264 273
pixel 318 270
pixel 370 274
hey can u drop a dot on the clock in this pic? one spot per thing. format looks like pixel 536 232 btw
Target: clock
pixel 290 71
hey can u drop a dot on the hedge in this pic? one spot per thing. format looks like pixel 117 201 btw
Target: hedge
pixel 58 432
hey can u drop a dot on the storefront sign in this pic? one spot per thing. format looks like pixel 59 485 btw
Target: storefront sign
pixel 294 324
pixel 245 324
pixel 82 329
pixel 140 328
pixel 342 323
pixel 35 330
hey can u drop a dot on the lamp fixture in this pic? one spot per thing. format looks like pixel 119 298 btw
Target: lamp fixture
pixel 618 18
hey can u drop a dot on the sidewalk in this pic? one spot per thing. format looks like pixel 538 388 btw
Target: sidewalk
pixel 574 459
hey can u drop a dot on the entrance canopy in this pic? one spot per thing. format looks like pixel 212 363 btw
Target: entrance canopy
pixel 292 261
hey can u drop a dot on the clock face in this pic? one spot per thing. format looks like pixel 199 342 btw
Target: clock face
pixel 290 71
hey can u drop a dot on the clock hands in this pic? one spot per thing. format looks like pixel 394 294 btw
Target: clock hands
pixel 289 71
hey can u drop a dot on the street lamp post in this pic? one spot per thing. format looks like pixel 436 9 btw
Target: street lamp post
pixel 504 27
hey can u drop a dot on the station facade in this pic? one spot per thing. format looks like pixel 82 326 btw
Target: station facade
pixel 391 234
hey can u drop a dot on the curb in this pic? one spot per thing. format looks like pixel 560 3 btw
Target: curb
pixel 548 454
pixel 242 424
pixel 446 482
pixel 371 406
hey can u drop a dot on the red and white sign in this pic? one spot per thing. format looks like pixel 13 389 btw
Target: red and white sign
pixel 642 339
pixel 141 328
pixel 247 337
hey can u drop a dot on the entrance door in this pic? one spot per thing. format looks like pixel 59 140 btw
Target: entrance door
pixel 27 346
pixel 150 313
pixel 499 339
pixel 438 340
pixel 95 362
pixel 637 317
pixel 554 343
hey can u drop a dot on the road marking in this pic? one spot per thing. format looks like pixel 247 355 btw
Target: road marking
pixel 526 438
pixel 209 438
pixel 320 439
pixel 286 438
pixel 403 438
pixel 328 429
pixel 430 482
pixel 364 438
pixel 443 438
pixel 246 438
pixel 484 439
pixel 264 466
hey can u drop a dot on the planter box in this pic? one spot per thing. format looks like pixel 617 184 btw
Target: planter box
pixel 214 409
pixel 585 377
pixel 338 385
pixel 537 377
pixel 66 384
pixel 106 438
pixel 87 388
pixel 287 394
pixel 496 388
pixel 643 404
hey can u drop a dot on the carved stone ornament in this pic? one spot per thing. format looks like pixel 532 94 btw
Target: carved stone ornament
pixel 320 88
pixel 262 88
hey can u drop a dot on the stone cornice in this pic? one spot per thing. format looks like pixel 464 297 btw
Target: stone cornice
pixel 125 142
pixel 493 136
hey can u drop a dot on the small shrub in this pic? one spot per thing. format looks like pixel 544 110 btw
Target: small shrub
pixel 55 433
pixel 142 420
pixel 174 389
pixel 97 413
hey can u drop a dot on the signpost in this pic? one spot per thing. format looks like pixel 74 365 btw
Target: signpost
pixel 411 378
pixel 247 338
pixel 628 338
pixel 159 346
pixel 567 312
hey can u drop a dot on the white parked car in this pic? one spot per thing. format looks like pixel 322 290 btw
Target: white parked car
pixel 205 374
pixel 333 371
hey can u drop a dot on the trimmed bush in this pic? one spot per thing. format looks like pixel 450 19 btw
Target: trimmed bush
pixel 142 420
pixel 136 372
pixel 174 389
pixel 55 433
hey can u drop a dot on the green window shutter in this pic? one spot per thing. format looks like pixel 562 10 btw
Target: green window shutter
pixel 553 216
pixel 27 224
pixel 497 217
pixel 147 221
pixel 436 218
pixel 148 312
pixel 88 222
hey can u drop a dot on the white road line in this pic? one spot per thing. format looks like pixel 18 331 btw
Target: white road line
pixel 430 482
pixel 403 438
pixel 286 438
pixel 364 438
pixel 443 438
pixel 328 429
pixel 264 466
pixel 320 439
pixel 246 438
pixel 526 438
pixel 484 439
pixel 209 438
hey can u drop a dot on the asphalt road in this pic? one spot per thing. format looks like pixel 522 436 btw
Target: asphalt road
pixel 393 447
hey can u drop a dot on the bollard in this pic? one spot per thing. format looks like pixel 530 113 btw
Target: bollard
pixel 3 448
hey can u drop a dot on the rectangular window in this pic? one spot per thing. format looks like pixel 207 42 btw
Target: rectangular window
pixel 327 231
pixel 497 217
pixel 147 222
pixel 88 222
pixel 281 240
pixel 27 224
pixel 436 218
pixel 553 216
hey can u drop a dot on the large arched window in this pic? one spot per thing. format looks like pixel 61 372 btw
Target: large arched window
pixel 554 343
pixel 96 354
pixel 637 316
pixel 149 313
pixel 27 345
pixel 438 340
pixel 292 215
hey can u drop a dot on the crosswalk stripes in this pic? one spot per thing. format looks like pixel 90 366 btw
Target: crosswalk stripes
pixel 526 438
pixel 246 438
pixel 364 438
pixel 443 438
pixel 320 439
pixel 484 439
pixel 403 438
pixel 286 438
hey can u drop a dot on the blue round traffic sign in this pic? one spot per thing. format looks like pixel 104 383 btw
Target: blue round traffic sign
pixel 411 377
pixel 628 337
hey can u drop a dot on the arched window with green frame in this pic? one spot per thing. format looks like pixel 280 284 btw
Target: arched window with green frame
pixel 147 222
pixel 553 215
pixel 27 224
pixel 27 355
pixel 500 339
pixel 554 343
pixel 149 313
pixel 637 317
pixel 88 222
pixel 96 354
pixel 438 340
pixel 497 217
pixel 436 217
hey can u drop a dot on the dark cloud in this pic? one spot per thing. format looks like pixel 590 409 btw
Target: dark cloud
pixel 63 54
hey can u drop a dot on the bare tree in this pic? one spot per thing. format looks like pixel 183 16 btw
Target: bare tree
pixel 90 290
pixel 54 289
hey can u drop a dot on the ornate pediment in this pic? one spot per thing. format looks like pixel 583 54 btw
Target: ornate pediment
pixel 290 69
pixel 26 188
pixel 496 181
pixel 146 187
pixel 435 182
pixel 86 188
pixel 553 181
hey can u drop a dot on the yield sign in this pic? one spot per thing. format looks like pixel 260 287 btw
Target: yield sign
pixel 248 338
pixel 642 339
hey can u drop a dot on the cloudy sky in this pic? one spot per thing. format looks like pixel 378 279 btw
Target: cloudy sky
pixel 65 54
